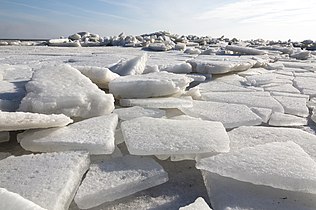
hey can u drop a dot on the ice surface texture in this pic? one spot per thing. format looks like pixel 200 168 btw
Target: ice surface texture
pixel 63 89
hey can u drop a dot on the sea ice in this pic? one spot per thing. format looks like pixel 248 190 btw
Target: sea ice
pixel 149 85
pixel 98 75
pixel 118 178
pixel 12 121
pixel 163 103
pixel 218 86
pixel 280 119
pixel 293 106
pixel 199 204
pixel 95 135
pixel 263 113
pixel 11 94
pixel 245 50
pixel 183 68
pixel 13 201
pixel 137 111
pixel 231 115
pixel 4 155
pixel 250 136
pixel 286 88
pixel 63 89
pixel 153 136
pixel 50 180
pixel 130 67
pixel 4 136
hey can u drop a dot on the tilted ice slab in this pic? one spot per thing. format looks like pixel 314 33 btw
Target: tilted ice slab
pixel 163 103
pixel 280 119
pixel 231 115
pixel 251 99
pixel 250 136
pixel 11 94
pixel 294 106
pixel 95 135
pixel 118 178
pixel 153 136
pixel 99 75
pixel 183 68
pixel 263 113
pixel 63 89
pixel 199 204
pixel 130 67
pixel 283 165
pixel 137 111
pixel 49 180
pixel 245 50
pixel 149 85
pixel 4 136
pixel 13 201
pixel 12 121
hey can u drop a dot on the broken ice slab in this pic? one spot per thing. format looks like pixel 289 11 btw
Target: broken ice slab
pixel 4 136
pixel 280 119
pixel 181 68
pixel 137 111
pixel 266 79
pixel 250 136
pixel 154 136
pixel 306 97
pixel 13 121
pixel 63 89
pixel 16 73
pixel 263 113
pixel 286 88
pixel 118 178
pixel 149 85
pixel 282 165
pixel 218 86
pixel 245 50
pixel 13 201
pixel 299 65
pixel 198 204
pixel 251 99
pixel 99 75
pixel 231 115
pixel 11 94
pixel 130 67
pixel 162 103
pixel 307 85
pixel 50 180
pixel 293 106
pixel 95 135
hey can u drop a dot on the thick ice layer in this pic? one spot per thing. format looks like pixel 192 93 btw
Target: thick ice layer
pixel 294 106
pixel 245 50
pixel 149 85
pixel 137 111
pixel 163 103
pixel 95 135
pixel 98 75
pixel 283 165
pixel 49 180
pixel 4 136
pixel 63 89
pixel 256 99
pixel 228 193
pixel 131 67
pixel 12 121
pixel 231 115
pixel 280 119
pixel 199 204
pixel 118 178
pixel 13 201
pixel 153 136
pixel 250 136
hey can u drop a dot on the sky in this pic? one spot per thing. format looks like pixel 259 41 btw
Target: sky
pixel 242 19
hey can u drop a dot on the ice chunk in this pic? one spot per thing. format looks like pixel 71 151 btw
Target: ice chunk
pixel 63 89
pixel 13 201
pixel 199 204
pixel 11 94
pixel 294 106
pixel 137 111
pixel 95 135
pixel 287 88
pixel 12 121
pixel 118 178
pixel 163 103
pixel 231 115
pixel 251 99
pixel 218 86
pixel 131 67
pixel 307 85
pixel 280 119
pixel 153 136
pixel 250 136
pixel 149 85
pixel 16 73
pixel 294 95
pixel 50 180
pixel 98 75
pixel 177 68
pixel 4 136
pixel 263 113
pixel 245 50
pixel 283 165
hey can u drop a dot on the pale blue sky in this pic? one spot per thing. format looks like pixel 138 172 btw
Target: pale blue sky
pixel 245 19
